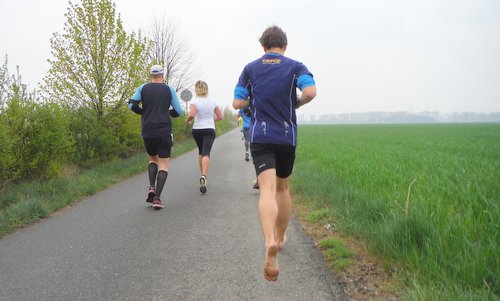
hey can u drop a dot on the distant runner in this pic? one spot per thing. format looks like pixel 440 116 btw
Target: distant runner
pixel 245 115
pixel 156 98
pixel 272 81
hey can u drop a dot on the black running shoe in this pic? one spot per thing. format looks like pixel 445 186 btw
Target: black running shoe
pixel 203 184
pixel 151 194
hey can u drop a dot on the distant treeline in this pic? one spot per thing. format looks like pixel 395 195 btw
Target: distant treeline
pixel 402 117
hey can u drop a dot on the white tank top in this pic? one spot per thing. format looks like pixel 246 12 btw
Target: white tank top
pixel 204 118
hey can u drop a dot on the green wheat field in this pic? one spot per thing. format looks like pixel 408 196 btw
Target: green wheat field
pixel 424 197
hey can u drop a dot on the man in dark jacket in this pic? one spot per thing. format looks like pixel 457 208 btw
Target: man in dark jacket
pixel 156 98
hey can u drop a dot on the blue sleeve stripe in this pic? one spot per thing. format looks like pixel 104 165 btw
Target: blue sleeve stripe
pixel 132 102
pixel 175 101
pixel 241 93
pixel 304 81
pixel 137 94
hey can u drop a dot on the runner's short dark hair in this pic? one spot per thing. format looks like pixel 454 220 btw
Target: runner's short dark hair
pixel 272 37
pixel 156 75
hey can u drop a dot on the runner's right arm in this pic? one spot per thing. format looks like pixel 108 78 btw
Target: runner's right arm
pixel 241 92
pixel 133 103
pixel 192 113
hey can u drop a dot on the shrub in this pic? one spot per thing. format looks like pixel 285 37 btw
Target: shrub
pixel 95 138
pixel 39 138
pixel 7 161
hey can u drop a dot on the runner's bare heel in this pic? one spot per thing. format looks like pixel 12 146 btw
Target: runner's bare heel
pixel 271 268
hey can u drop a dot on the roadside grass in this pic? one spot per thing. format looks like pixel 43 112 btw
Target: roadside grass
pixel 25 203
pixel 318 216
pixel 426 197
pixel 337 253
pixel 362 276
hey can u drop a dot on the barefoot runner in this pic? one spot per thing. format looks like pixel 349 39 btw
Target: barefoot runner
pixel 272 81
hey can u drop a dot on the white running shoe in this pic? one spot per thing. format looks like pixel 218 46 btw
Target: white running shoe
pixel 203 184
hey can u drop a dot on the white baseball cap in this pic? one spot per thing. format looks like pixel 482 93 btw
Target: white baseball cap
pixel 156 69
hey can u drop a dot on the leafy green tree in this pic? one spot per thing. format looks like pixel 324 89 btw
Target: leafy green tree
pixel 12 90
pixel 95 64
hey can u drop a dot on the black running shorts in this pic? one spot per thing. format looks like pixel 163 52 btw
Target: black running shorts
pixel 161 146
pixel 278 156
pixel 204 140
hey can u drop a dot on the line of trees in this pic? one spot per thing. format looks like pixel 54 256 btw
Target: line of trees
pixel 78 116
pixel 401 117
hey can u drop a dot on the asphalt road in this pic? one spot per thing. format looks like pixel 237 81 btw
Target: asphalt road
pixel 113 246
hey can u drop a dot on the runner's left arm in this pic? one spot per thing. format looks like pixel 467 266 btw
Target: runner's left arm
pixel 218 114
pixel 306 84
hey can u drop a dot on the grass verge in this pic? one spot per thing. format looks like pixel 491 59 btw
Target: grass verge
pixel 362 276
pixel 25 203
pixel 337 252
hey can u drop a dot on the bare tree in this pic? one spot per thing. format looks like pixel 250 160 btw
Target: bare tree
pixel 171 51
pixel 4 83
pixel 11 85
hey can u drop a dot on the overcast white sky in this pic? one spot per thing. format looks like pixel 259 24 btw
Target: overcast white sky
pixel 366 55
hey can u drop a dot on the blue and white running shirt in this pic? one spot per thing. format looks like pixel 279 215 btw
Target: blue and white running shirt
pixel 272 81
pixel 156 100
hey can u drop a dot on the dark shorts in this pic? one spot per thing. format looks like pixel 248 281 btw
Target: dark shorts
pixel 204 140
pixel 278 156
pixel 161 146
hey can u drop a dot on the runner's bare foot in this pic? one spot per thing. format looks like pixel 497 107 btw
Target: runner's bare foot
pixel 281 244
pixel 271 269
